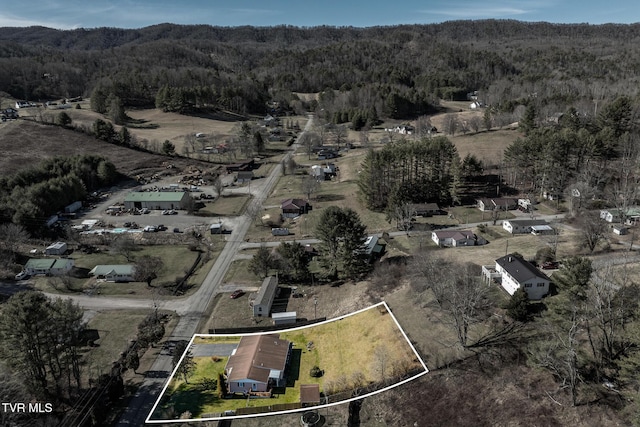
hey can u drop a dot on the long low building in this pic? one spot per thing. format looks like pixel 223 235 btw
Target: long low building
pixel 162 200
pixel 48 266
pixel 524 226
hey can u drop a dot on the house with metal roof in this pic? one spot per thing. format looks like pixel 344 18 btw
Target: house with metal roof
pixel 454 238
pixel 515 273
pixel 161 200
pixel 57 248
pixel 264 299
pixel 257 364
pixel 524 226
pixel 48 266
pixel 114 273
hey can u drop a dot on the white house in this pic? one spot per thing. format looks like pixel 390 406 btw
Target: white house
pixel 615 215
pixel 454 238
pixel 48 266
pixel 522 226
pixel 516 273
pixel 265 297
pixel 114 273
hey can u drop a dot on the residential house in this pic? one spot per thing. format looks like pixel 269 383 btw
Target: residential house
pixel 497 203
pixel 57 248
pixel 324 172
pixel 426 209
pixel 515 273
pixel 292 208
pixel 244 176
pixel 114 273
pixel 48 266
pixel 161 200
pixel 264 299
pixel 373 249
pixel 485 204
pixel 257 364
pixel 615 215
pixel 522 226
pixel 454 238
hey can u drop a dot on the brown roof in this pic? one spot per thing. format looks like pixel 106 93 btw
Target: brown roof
pixel 309 393
pixel 293 204
pixel 454 234
pixel 255 356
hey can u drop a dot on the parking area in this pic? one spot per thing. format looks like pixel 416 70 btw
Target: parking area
pixel 153 220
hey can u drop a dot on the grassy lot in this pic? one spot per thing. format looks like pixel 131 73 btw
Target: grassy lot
pixel 229 205
pixel 353 351
pixel 115 328
pixel 177 260
pixel 239 273
pixel 350 346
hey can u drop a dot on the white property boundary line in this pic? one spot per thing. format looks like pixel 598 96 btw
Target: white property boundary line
pixel 311 408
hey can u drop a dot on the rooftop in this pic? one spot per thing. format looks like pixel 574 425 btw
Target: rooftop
pixel 519 269
pixel 155 196
pixel 256 355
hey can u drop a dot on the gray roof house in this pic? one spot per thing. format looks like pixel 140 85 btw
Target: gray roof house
pixel 522 226
pixel 515 273
pixel 265 297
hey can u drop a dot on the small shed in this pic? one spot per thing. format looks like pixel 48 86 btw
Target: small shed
pixel 620 230
pixel 286 318
pixel 309 394
pixel 244 176
pixel 216 228
pixel 57 248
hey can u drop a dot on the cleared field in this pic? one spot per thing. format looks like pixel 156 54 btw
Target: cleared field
pixel 229 205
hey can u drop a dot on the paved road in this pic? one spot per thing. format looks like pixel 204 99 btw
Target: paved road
pixel 222 350
pixel 193 308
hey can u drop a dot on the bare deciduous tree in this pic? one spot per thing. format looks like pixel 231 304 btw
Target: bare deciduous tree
pixel 310 186
pixel 592 230
pixel 218 186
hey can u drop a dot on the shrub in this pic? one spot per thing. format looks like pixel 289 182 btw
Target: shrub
pixel 316 372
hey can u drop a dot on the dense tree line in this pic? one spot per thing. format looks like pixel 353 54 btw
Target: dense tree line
pixel 30 196
pixel 597 156
pixel 409 171
pixel 411 65
pixel 41 340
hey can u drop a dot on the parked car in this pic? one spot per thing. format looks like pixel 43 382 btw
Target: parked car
pixel 176 230
pixel 236 294
pixel 22 275
pixel 149 229
pixel 161 227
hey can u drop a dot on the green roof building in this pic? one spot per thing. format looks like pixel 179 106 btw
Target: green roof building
pixel 114 273
pixel 48 266
pixel 156 200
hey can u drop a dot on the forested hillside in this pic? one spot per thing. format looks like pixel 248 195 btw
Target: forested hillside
pixel 399 71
